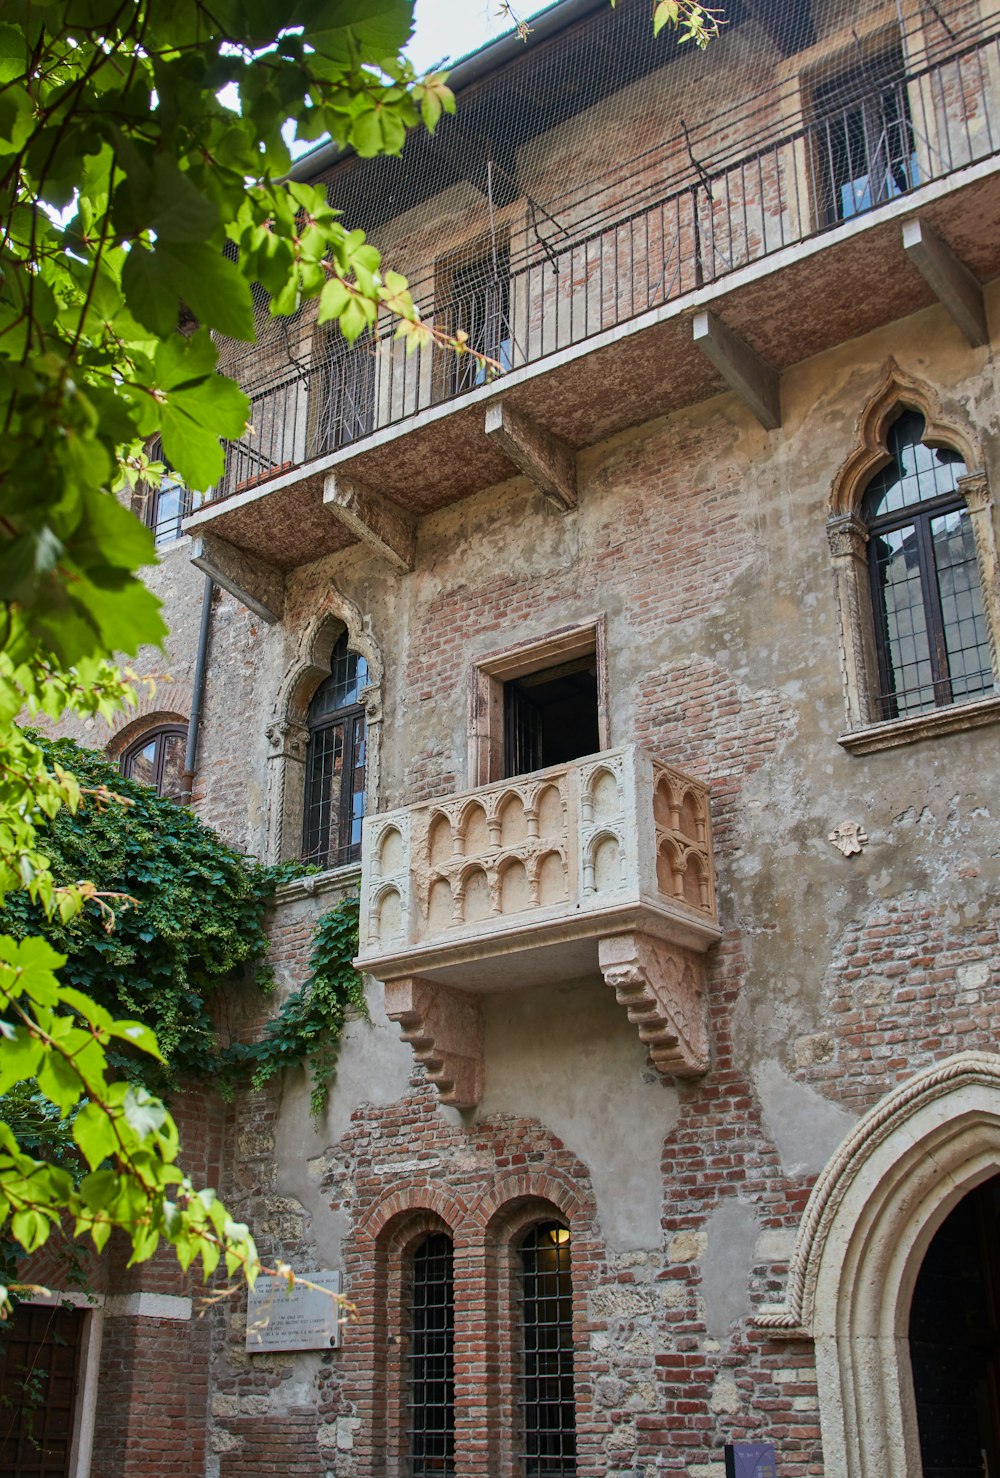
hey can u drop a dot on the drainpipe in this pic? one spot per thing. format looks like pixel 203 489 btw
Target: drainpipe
pixel 197 695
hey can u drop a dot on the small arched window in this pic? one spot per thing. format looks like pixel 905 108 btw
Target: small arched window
pixel 431 1346
pixel 335 767
pixel 157 759
pixel 547 1402
pixel 930 628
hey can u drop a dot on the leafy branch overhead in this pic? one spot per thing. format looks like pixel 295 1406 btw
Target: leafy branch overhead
pixel 143 166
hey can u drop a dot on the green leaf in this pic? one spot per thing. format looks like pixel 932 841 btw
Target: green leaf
pixel 144 1114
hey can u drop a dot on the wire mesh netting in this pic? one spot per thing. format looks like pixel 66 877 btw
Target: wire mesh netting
pixel 599 173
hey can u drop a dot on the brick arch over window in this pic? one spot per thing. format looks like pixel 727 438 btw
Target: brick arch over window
pixel 861 1242
pixel 381 1259
pixel 848 539
pixel 133 726
pixel 288 733
pixel 504 1216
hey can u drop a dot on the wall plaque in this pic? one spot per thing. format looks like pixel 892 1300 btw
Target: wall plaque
pixel 750 1460
pixel 296 1318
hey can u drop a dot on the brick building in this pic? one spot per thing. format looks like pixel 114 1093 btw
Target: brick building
pixel 660 661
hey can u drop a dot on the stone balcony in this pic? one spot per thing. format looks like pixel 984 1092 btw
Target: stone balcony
pixel 601 866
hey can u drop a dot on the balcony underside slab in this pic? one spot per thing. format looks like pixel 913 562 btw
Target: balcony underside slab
pixel 512 956
pixel 797 303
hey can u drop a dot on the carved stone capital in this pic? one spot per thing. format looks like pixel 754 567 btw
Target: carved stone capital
pixel 976 491
pixel 847 536
pixel 444 1028
pixel 287 740
pixel 662 986
pixel 371 699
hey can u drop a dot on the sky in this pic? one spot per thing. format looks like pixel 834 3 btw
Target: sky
pixel 449 29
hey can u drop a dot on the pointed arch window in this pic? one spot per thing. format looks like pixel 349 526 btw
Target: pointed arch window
pixel 335 764
pixel 931 638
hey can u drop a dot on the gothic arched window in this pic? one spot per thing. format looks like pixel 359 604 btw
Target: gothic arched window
pixel 931 637
pixel 335 764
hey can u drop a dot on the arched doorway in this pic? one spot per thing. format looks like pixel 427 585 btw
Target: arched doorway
pixel 955 1341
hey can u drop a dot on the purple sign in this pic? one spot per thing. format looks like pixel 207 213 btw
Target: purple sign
pixel 750 1460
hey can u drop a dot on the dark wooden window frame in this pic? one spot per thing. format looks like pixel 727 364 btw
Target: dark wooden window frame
pixel 919 516
pixel 161 732
pixel 486 685
pixel 319 844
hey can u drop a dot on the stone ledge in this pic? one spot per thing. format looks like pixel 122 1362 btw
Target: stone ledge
pixel 344 880
pixel 929 725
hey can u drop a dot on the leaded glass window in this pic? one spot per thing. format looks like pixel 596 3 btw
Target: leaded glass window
pixel 930 627
pixel 335 766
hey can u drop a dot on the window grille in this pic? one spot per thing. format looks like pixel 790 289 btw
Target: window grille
pixel 341 394
pixel 335 769
pixel 157 759
pixel 548 1407
pixel 478 305
pixel 865 140
pixel 930 626
pixel 431 1360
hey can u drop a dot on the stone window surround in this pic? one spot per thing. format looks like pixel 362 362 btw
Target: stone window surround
pixel 288 732
pixel 485 1237
pixel 848 541
pixel 868 1222
pixel 488 674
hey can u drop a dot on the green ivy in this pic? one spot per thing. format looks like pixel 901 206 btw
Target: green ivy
pixel 309 1025
pixel 189 918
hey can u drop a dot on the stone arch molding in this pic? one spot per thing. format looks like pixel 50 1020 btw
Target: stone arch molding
pixel 287 734
pixel 848 537
pixel 867 1225
pixel 898 390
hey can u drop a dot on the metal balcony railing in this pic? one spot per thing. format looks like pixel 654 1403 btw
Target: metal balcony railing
pixel 862 149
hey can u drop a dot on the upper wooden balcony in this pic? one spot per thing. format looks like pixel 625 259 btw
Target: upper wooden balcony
pixel 725 282
pixel 602 865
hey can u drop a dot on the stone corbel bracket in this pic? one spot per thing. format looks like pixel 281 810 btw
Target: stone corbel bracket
pixel 444 1028
pixel 549 462
pixel 387 529
pixel 662 986
pixel 254 583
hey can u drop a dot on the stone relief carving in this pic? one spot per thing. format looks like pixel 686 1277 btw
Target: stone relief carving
pixel 444 1028
pixel 849 837
pixel 662 988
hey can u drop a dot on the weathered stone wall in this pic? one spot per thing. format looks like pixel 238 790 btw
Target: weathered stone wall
pixel 702 539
